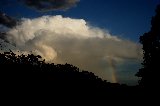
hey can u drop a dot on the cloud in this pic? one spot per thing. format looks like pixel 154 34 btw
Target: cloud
pixel 46 5
pixel 6 23
pixel 67 40
pixel 7 20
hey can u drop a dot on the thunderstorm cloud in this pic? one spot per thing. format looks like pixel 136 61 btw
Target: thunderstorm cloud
pixel 66 40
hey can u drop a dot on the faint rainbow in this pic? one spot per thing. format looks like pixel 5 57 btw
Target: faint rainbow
pixel 113 70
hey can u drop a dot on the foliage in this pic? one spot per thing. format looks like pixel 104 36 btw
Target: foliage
pixel 151 51
pixel 32 64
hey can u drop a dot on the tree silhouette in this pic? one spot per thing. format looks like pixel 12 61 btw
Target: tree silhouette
pixel 33 68
pixel 151 51
pixel 30 74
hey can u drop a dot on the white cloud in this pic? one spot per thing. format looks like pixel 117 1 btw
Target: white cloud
pixel 62 40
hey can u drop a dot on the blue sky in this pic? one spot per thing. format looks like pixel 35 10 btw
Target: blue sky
pixel 125 18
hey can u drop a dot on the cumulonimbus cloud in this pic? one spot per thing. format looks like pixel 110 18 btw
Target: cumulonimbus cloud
pixel 46 5
pixel 67 40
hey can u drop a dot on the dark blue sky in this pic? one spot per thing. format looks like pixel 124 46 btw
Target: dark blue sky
pixel 125 18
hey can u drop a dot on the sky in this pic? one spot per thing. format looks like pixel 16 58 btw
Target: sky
pixel 125 18
pixel 96 35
